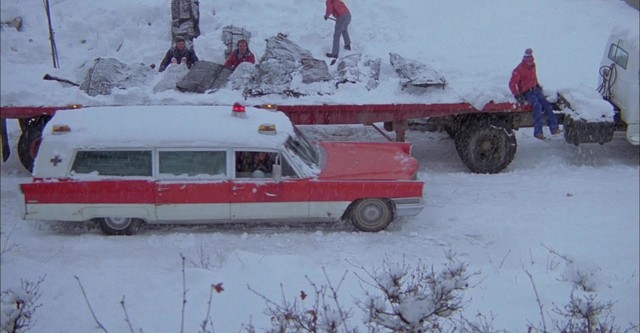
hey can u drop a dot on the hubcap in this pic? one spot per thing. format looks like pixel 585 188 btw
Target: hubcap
pixel 118 223
pixel 371 213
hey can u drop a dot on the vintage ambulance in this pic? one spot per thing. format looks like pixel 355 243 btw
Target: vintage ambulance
pixel 127 166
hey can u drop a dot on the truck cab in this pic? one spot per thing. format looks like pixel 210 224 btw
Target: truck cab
pixel 619 81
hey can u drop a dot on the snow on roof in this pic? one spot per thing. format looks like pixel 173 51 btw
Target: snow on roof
pixel 631 36
pixel 167 126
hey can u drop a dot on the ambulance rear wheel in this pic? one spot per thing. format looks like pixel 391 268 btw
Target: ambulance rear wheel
pixel 119 225
pixel 371 215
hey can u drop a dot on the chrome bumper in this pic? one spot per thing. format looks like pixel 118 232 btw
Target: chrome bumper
pixel 408 206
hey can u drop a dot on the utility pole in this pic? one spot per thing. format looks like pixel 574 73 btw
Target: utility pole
pixel 54 49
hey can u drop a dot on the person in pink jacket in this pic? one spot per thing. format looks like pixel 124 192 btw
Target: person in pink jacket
pixel 525 87
pixel 339 10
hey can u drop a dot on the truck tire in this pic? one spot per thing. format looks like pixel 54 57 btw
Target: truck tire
pixel 486 148
pixel 29 141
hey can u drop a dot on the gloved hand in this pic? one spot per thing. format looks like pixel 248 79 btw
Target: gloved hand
pixel 521 99
pixel 326 17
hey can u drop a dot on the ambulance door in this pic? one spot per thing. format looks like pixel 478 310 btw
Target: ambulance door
pixel 192 185
pixel 257 195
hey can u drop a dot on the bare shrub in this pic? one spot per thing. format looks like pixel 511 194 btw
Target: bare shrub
pixel 319 312
pixel 586 315
pixel 204 260
pixel 19 306
pixel 7 243
pixel 406 299
pixel 481 324
pixel 206 326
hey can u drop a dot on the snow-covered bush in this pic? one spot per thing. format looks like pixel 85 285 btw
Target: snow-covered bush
pixel 319 312
pixel 19 306
pixel 398 298
pixel 414 299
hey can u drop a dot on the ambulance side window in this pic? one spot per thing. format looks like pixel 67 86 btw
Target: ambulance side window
pixel 193 163
pixel 113 163
pixel 258 164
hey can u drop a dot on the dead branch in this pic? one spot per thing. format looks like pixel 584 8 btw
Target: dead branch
pixel 535 290
pixel 100 326
pixel 552 251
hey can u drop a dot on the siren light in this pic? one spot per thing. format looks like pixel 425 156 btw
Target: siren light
pixel 238 110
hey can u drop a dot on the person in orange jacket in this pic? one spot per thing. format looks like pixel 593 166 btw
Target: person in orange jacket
pixel 239 55
pixel 525 88
pixel 339 10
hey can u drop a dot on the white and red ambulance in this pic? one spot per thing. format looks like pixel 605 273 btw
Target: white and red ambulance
pixel 130 165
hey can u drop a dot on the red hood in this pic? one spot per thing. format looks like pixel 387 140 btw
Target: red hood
pixel 371 161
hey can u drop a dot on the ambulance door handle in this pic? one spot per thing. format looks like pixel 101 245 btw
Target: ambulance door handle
pixel 235 188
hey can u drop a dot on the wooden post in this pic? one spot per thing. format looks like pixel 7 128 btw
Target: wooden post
pixel 54 49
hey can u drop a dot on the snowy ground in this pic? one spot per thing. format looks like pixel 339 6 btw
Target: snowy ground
pixel 579 202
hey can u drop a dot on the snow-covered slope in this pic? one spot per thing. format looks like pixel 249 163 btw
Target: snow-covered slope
pixel 558 212
pixel 473 45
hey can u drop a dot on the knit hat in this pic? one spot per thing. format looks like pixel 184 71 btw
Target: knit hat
pixel 179 39
pixel 528 53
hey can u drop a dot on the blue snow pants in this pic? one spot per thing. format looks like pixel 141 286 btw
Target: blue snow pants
pixel 541 108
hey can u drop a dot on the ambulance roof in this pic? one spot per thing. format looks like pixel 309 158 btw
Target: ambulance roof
pixel 165 126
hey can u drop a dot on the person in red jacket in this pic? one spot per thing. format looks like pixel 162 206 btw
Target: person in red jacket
pixel 239 55
pixel 525 87
pixel 339 10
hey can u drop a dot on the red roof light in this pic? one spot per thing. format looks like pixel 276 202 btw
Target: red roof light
pixel 238 110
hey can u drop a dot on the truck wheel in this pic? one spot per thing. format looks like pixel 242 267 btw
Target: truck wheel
pixel 29 141
pixel 371 215
pixel 486 148
pixel 119 225
pixel 450 131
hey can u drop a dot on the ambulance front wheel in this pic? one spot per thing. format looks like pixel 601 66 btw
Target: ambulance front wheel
pixel 371 214
pixel 120 225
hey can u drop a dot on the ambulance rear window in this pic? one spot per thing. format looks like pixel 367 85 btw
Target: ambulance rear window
pixel 193 163
pixel 113 163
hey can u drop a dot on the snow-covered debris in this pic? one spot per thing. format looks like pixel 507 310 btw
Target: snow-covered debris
pixel 109 73
pixel 280 47
pixel 586 104
pixel 203 76
pixel 351 69
pixel 284 67
pixel 242 75
pixel 415 73
pixel 172 75
pixel 230 37
pixel 348 71
pixel 185 16
pixel 374 72
pixel 314 70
